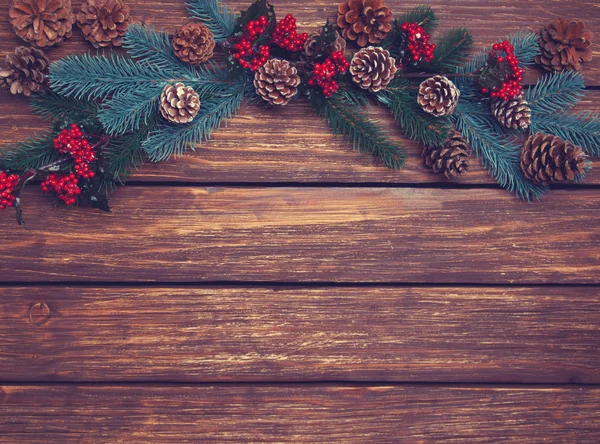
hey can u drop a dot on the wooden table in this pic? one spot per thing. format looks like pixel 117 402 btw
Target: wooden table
pixel 275 286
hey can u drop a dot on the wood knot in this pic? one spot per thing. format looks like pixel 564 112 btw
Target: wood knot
pixel 39 314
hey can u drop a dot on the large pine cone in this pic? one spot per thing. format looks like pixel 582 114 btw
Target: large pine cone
pixel 25 71
pixel 277 82
pixel 43 23
pixel 194 43
pixel 546 159
pixel 512 113
pixel 179 103
pixel 565 45
pixel 438 96
pixel 452 159
pixel 364 21
pixel 373 68
pixel 103 22
pixel 313 48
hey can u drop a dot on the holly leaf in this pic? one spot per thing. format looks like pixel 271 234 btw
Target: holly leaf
pixel 254 12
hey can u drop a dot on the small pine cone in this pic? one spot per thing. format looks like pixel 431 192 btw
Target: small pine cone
pixel 194 43
pixel 103 22
pixel 438 96
pixel 179 103
pixel 373 68
pixel 277 82
pixel 512 113
pixel 43 23
pixel 546 159
pixel 313 48
pixel 565 45
pixel 452 159
pixel 364 21
pixel 25 72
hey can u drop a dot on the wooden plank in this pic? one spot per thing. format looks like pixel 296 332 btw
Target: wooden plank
pixel 313 413
pixel 531 335
pixel 188 234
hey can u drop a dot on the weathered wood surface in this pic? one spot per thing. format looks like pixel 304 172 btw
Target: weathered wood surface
pixel 316 414
pixel 187 234
pixel 530 335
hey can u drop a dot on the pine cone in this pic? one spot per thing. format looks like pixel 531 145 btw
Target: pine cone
pixel 25 71
pixel 312 48
pixel 364 21
pixel 194 43
pixel 103 22
pixel 179 103
pixel 277 82
pixel 43 23
pixel 373 68
pixel 438 96
pixel 547 158
pixel 512 113
pixel 452 159
pixel 565 45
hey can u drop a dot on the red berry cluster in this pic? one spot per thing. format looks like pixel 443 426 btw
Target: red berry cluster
pixel 511 87
pixel 325 73
pixel 66 187
pixel 244 51
pixel 8 183
pixel 285 35
pixel 418 42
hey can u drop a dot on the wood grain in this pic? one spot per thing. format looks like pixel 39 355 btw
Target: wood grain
pixel 400 235
pixel 526 335
pixel 315 414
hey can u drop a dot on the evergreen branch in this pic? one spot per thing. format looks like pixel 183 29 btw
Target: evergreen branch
pixel 422 14
pixel 35 153
pixel 498 155
pixel 452 51
pixel 55 107
pixel 582 129
pixel 364 135
pixel 355 96
pixel 129 111
pixel 556 93
pixel 219 19
pixel 174 140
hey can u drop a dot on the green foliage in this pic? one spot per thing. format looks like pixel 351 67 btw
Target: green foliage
pixel 556 93
pixel 129 111
pixel 219 19
pixel 32 154
pixel 422 14
pixel 354 96
pixel 582 129
pixel 52 106
pixel 364 135
pixel 451 51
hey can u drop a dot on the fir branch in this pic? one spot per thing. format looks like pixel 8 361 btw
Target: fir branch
pixel 364 135
pixel 35 153
pixel 582 129
pixel 219 19
pixel 556 93
pixel 500 156
pixel 129 111
pixel 174 140
pixel 452 51
pixel 354 96
pixel 422 14
pixel 52 106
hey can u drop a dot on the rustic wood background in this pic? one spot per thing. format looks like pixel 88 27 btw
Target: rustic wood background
pixel 274 286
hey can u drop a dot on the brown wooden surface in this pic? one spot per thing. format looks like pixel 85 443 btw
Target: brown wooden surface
pixel 90 352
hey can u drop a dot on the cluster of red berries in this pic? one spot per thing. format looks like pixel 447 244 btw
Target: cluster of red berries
pixel 66 187
pixel 285 35
pixel 325 73
pixel 511 86
pixel 8 182
pixel 418 42
pixel 245 53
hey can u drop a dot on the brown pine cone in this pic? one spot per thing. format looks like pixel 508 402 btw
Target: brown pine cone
pixel 565 45
pixel 25 72
pixel 438 96
pixel 364 21
pixel 43 23
pixel 312 48
pixel 512 113
pixel 546 159
pixel 277 82
pixel 452 159
pixel 179 103
pixel 103 22
pixel 373 68
pixel 194 43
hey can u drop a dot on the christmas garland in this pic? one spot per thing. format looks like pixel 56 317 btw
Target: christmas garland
pixel 109 113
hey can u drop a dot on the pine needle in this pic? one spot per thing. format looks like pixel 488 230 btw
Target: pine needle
pixel 32 154
pixel 582 129
pixel 52 106
pixel 219 19
pixel 556 93
pixel 451 51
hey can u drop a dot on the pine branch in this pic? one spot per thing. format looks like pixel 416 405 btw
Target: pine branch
pixel 129 111
pixel 355 96
pixel 422 14
pixel 556 93
pixel 219 19
pixel 32 154
pixel 174 140
pixel 498 155
pixel 452 51
pixel 55 107
pixel 582 129
pixel 364 135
